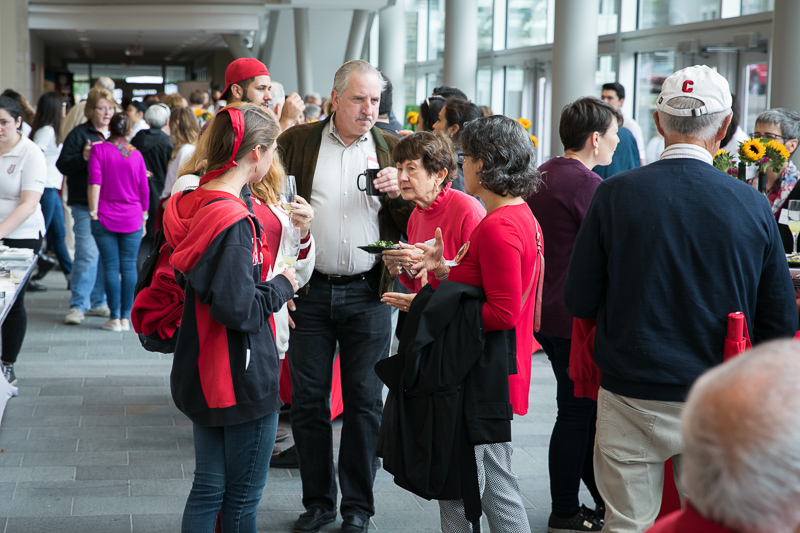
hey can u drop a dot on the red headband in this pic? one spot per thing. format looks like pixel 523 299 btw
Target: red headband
pixel 237 120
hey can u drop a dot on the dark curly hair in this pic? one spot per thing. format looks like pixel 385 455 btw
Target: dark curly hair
pixel 507 154
pixel 435 150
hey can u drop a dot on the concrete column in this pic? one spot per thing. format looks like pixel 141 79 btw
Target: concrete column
pixel 461 44
pixel 236 46
pixel 269 43
pixel 302 44
pixel 574 59
pixel 15 56
pixel 358 30
pixel 392 53
pixel 785 69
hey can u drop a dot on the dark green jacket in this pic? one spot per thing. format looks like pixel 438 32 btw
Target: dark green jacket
pixel 299 148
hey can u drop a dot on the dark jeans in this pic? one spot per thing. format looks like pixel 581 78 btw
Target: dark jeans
pixel 16 323
pixel 353 315
pixel 229 475
pixel 118 256
pixel 55 228
pixel 572 441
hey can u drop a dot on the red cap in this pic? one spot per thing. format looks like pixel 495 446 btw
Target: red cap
pixel 242 69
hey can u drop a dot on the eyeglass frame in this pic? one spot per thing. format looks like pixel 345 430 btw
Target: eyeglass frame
pixel 770 136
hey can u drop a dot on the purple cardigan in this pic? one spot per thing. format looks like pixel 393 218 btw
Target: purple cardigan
pixel 559 206
pixel 124 191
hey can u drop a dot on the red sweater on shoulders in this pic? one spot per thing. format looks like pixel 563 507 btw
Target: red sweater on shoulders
pixel 502 259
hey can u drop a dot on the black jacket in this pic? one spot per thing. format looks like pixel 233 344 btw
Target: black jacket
pixel 72 164
pixel 156 148
pixel 448 391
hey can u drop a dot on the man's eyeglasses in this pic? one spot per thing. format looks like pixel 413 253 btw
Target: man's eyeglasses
pixel 770 136
pixel 462 158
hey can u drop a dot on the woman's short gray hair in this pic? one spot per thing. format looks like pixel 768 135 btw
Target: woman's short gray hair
pixel 342 76
pixel 704 127
pixel 788 120
pixel 507 153
pixel 741 428
pixel 157 115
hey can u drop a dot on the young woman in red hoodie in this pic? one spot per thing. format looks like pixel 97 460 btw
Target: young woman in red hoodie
pixel 225 370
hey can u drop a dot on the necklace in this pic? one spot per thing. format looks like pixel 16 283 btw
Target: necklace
pixel 236 192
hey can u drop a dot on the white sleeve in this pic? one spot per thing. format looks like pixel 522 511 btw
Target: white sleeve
pixel 34 171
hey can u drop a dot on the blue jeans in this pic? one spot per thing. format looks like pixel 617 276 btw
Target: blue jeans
pixel 230 473
pixel 87 273
pixel 55 229
pixel 572 440
pixel 118 256
pixel 352 315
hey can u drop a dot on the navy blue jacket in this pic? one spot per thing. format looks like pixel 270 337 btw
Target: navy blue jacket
pixel 665 252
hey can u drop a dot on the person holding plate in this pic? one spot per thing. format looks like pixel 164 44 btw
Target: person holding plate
pixel 426 166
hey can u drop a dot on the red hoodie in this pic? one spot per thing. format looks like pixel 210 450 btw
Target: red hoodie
pixel 225 368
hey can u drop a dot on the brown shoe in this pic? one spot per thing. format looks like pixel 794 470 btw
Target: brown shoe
pixel 281 435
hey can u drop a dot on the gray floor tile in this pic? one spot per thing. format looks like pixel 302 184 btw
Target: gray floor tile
pixel 72 489
pixel 173 471
pixel 84 524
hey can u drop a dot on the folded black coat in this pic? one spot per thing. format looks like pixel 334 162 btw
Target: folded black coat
pixel 448 391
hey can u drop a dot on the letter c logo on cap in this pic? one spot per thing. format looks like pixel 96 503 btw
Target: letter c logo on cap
pixel 687 86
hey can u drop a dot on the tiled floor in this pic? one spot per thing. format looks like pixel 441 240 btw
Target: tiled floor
pixel 94 443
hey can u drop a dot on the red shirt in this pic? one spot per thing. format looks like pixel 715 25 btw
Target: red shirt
pixel 687 521
pixel 502 259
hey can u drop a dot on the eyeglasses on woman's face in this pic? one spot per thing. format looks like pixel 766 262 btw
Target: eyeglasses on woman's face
pixel 767 135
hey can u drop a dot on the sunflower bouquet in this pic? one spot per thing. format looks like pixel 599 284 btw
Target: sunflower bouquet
pixel 764 153
pixel 412 118
pixel 723 160
pixel 527 125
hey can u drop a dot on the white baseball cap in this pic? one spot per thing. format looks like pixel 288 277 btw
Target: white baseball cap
pixel 700 82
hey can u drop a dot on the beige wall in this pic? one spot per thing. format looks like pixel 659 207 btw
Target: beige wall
pixel 14 47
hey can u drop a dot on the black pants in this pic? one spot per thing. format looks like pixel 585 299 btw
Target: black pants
pixel 13 329
pixel 572 441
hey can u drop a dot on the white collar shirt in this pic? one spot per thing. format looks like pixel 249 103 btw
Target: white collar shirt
pixel 687 151
pixel 344 217
pixel 23 169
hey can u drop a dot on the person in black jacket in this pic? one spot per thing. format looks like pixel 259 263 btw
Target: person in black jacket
pixel 225 369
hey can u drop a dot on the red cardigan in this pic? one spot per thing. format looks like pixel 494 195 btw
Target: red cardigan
pixel 504 260
pixel 687 521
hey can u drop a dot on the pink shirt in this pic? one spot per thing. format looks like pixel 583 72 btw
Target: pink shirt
pixel 124 191
pixel 453 211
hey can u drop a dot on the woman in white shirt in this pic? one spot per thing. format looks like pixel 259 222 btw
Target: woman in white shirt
pixel 183 132
pixel 46 133
pixel 23 167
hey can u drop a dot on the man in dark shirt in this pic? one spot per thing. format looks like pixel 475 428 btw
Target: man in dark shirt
pixel 660 267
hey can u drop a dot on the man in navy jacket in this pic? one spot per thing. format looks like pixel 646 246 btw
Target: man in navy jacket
pixel 665 252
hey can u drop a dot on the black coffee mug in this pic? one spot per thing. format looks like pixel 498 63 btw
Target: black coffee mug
pixel 371 175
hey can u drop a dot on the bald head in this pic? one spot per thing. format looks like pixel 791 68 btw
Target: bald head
pixel 741 429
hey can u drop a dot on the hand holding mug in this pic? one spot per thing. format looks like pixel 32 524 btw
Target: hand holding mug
pixel 386 182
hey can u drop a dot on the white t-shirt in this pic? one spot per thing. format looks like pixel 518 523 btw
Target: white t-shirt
pixel 45 138
pixel 184 153
pixel 22 169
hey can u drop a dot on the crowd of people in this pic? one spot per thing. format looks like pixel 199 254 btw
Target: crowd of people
pixel 624 274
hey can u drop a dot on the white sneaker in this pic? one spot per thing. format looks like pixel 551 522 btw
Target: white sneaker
pixel 125 324
pixel 74 316
pixel 112 325
pixel 101 311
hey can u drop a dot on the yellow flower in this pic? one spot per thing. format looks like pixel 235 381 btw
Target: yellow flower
pixel 778 147
pixel 720 152
pixel 535 141
pixel 753 150
pixel 525 122
pixel 412 117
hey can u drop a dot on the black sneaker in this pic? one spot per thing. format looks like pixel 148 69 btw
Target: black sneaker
pixel 286 459
pixel 598 513
pixel 8 373
pixel 577 523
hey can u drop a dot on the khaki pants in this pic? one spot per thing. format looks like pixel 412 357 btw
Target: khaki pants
pixel 634 440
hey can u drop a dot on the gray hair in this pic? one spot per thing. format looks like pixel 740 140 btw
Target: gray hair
pixel 741 430
pixel 278 94
pixel 106 83
pixel 509 166
pixel 788 120
pixel 157 115
pixel 342 77
pixel 704 127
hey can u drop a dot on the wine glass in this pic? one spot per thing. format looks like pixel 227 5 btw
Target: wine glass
pixel 794 222
pixel 288 188
pixel 290 244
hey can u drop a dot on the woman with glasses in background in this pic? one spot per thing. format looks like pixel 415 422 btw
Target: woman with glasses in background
pixel 781 125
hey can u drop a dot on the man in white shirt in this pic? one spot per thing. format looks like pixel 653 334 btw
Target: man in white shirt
pixel 341 304
pixel 614 95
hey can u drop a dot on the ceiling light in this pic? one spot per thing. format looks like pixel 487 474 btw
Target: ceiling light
pixel 144 79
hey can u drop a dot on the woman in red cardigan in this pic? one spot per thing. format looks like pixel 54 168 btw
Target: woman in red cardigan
pixel 504 257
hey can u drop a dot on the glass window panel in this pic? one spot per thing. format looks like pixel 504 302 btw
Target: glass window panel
pixel 483 84
pixel 607 21
pixel 485 25
pixel 652 68
pixel 512 105
pixel 606 72
pixel 757 6
pixel 756 99
pixel 655 13
pixel 431 82
pixel 412 26
pixel 175 73
pixel 526 23
pixel 435 29
pixel 410 81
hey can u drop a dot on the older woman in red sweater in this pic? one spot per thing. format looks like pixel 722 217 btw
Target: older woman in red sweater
pixel 505 259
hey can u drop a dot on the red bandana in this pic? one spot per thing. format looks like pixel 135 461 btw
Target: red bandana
pixel 237 120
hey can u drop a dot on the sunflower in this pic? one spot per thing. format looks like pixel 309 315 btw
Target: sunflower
pixel 412 117
pixel 720 152
pixel 535 140
pixel 752 150
pixel 779 148
pixel 525 122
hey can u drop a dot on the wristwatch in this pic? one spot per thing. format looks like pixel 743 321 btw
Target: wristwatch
pixel 93 214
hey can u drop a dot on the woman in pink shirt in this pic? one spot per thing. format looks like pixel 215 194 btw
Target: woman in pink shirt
pixel 118 201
